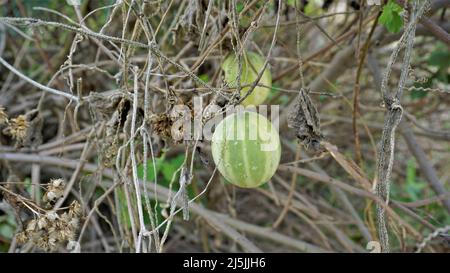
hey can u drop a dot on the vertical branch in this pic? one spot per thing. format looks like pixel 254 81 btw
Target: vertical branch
pixel 394 115
pixel 146 137
pixel 384 169
pixel 133 161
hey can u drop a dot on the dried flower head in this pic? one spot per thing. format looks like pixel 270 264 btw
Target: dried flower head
pixel 42 223
pixel 55 190
pixel 21 237
pixel 51 216
pixel 3 116
pixel 75 209
pixel 18 128
pixel 31 225
pixel 52 229
pixel 57 182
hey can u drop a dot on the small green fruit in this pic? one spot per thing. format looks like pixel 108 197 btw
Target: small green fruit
pixel 252 64
pixel 246 149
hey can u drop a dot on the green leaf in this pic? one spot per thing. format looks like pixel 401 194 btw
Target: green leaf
pixel 123 208
pixel 166 167
pixel 323 98
pixel 291 3
pixel 239 7
pixel 416 93
pixel 391 18
pixel 28 186
pixel 150 168
pixel 410 171
pixel 413 186
pixel 171 166
pixel 440 57
pixel 6 231
pixel 204 77
pixel 313 8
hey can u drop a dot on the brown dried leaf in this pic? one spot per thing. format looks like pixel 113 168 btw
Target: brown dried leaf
pixel 162 125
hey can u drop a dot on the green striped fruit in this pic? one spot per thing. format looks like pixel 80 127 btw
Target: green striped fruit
pixel 246 149
pixel 252 63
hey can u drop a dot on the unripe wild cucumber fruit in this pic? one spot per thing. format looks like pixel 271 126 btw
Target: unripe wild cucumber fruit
pixel 252 64
pixel 246 149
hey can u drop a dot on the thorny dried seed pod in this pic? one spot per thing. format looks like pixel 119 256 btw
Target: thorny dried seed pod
pixel 305 120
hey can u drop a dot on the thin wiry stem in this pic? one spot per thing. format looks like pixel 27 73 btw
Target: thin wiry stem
pixel 36 84
pixel 134 163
